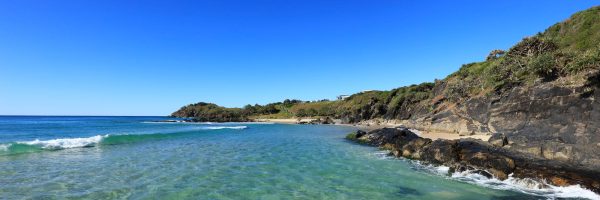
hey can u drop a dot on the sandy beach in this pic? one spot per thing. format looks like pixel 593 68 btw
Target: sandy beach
pixel 422 133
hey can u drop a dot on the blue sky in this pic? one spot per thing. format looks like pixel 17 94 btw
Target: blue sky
pixel 152 57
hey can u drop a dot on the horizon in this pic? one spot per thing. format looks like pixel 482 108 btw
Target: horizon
pixel 124 59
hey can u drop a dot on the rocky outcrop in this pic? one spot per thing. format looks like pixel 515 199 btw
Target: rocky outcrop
pixel 555 120
pixel 486 158
pixel 321 120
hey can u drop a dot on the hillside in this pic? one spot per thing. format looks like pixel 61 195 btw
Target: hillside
pixel 542 93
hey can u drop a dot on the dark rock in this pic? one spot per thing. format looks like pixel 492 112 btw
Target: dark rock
pixel 360 133
pixel 484 155
pixel 498 139
pixel 477 156
pixel 441 152
pixel 483 173
pixel 414 148
pixel 528 116
pixel 327 120
pixel 396 137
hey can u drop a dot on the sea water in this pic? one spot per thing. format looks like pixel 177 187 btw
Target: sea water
pixel 141 158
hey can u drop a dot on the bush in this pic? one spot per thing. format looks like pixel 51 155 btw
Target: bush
pixel 588 60
pixel 544 66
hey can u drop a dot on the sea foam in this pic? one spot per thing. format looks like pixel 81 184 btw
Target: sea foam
pixel 66 143
pixel 527 186
pixel 4 147
pixel 523 185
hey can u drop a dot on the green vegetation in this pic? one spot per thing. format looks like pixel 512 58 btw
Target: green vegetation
pixel 211 112
pixel 351 136
pixel 567 49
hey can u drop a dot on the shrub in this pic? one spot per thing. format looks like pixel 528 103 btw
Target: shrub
pixel 587 60
pixel 544 66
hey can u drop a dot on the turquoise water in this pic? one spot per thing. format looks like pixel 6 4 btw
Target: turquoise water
pixel 134 158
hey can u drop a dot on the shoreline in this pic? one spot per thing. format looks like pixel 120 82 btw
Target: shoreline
pixel 487 158
pixel 423 133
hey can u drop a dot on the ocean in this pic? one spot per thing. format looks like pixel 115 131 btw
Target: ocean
pixel 47 157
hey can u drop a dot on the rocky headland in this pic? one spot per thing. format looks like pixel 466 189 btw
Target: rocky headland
pixel 489 158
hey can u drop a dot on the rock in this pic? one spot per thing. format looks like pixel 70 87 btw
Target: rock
pixel 393 137
pixel 484 155
pixel 557 151
pixel 558 181
pixel 441 152
pixel 360 133
pixel 477 156
pixel 498 139
pixel 315 121
pixel 528 116
pixel 414 148
pixel 327 120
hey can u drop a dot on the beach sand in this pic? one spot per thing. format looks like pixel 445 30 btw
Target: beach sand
pixel 285 121
pixel 422 133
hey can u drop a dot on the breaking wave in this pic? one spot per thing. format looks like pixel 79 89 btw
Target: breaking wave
pixel 98 140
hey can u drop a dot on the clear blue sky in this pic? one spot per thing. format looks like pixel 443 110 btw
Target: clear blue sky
pixel 152 57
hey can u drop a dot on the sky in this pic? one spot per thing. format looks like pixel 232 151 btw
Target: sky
pixel 118 57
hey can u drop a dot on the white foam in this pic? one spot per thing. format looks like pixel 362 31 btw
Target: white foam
pixel 523 185
pixel 527 186
pixel 66 143
pixel 442 169
pixel 224 127
pixel 383 155
pixel 4 147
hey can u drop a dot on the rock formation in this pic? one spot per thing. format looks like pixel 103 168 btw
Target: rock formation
pixel 491 160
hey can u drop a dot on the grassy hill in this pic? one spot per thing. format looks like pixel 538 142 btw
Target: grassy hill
pixel 567 50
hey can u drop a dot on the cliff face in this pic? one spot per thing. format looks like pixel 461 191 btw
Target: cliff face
pixel 554 120
pixel 551 121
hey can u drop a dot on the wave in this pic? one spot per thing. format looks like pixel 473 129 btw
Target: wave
pixel 522 185
pixel 65 143
pixel 54 144
pixel 383 155
pixel 527 186
pixel 98 140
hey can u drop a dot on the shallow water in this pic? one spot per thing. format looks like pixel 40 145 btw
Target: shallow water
pixel 132 158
